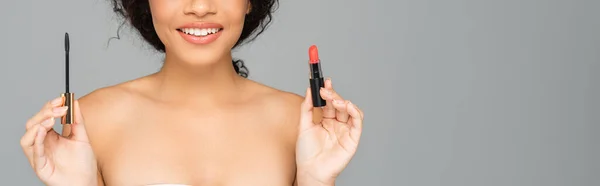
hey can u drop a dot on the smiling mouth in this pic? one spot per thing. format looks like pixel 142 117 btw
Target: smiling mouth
pixel 199 32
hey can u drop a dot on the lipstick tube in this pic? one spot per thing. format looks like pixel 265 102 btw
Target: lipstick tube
pixel 316 77
pixel 316 83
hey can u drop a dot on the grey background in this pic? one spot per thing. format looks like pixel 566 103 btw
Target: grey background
pixel 456 93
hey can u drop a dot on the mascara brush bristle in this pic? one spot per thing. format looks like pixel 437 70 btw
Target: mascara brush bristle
pixel 67 47
pixel 67 42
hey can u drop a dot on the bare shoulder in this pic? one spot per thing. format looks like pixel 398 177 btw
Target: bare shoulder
pixel 284 103
pixel 104 108
pixel 283 99
pixel 99 100
pixel 106 102
pixel 278 101
pixel 278 108
pixel 283 106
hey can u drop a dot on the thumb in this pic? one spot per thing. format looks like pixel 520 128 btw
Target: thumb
pixel 306 112
pixel 78 131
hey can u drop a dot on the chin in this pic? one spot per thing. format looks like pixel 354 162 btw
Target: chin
pixel 202 57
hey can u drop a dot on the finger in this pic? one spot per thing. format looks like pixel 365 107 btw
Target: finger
pixel 28 139
pixel 362 114
pixel 49 121
pixel 356 118
pixel 66 131
pixel 328 109
pixel 48 124
pixel 78 131
pixel 328 84
pixel 341 113
pixel 333 94
pixel 306 113
pixel 45 112
pixel 307 103
pixel 327 94
pixel 39 157
pixel 27 142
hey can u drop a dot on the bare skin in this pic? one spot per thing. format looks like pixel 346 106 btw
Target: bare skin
pixel 135 135
pixel 139 139
pixel 196 121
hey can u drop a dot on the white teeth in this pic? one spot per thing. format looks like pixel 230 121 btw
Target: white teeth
pixel 199 31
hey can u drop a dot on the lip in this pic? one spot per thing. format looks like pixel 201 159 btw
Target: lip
pixel 201 25
pixel 201 39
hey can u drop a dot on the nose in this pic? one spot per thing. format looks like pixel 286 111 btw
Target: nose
pixel 200 8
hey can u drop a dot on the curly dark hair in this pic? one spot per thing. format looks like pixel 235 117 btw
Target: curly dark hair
pixel 137 13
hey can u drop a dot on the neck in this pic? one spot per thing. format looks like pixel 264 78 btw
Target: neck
pixel 186 82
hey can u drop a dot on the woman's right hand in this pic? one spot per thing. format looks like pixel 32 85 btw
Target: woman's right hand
pixel 56 159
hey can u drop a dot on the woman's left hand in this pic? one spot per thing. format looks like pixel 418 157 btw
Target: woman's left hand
pixel 325 148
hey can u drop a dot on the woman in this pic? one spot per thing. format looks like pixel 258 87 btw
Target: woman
pixel 198 121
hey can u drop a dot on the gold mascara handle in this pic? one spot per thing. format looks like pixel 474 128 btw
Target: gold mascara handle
pixel 68 100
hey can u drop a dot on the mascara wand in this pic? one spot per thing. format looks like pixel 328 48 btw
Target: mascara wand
pixel 67 96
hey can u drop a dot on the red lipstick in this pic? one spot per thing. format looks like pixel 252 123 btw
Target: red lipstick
pixel 313 54
pixel 316 77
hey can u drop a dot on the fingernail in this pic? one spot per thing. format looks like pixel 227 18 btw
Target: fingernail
pixel 48 122
pixel 57 101
pixel 59 110
pixel 355 107
pixel 327 92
